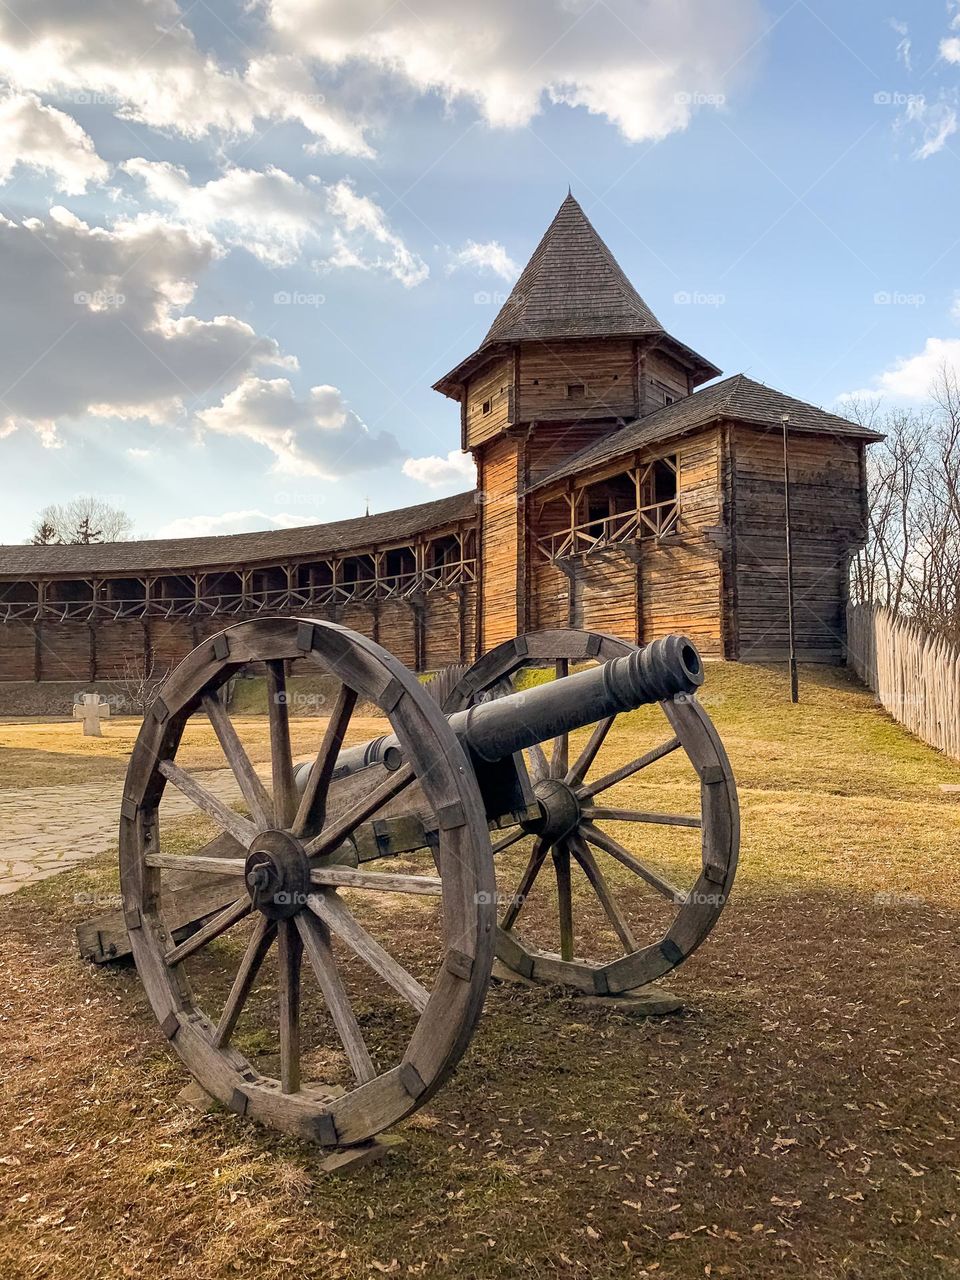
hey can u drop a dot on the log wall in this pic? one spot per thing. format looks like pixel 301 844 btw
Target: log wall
pixel 500 584
pixel 827 522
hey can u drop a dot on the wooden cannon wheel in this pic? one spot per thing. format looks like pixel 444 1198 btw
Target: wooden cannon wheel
pixel 290 889
pixel 574 834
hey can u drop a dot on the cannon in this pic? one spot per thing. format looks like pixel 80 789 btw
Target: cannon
pixel 407 835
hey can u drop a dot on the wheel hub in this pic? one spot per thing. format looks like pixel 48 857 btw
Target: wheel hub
pixel 559 810
pixel 277 874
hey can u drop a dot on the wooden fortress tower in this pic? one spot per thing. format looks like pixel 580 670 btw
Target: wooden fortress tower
pixel 616 492
pixel 612 496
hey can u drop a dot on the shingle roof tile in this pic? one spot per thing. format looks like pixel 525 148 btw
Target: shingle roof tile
pixel 738 398
pixel 232 550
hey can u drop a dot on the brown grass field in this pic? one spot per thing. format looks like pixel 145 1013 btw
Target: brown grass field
pixel 798 1119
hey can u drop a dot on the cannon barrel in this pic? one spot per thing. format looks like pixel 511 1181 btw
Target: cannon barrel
pixel 498 728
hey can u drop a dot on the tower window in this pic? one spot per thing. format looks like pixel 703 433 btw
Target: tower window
pixel 575 390
pixel 486 406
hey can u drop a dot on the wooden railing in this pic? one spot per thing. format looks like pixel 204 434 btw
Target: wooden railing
pixel 592 536
pixel 914 673
pixel 396 586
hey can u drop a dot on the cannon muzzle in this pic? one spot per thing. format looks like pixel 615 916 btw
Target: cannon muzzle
pixel 498 728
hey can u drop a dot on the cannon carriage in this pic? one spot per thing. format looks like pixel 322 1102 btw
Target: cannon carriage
pixel 425 821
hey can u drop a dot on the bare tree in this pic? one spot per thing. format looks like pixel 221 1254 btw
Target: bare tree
pixel 139 680
pixel 911 560
pixel 83 519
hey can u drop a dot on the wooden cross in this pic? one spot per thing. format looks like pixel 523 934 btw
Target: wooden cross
pixel 91 710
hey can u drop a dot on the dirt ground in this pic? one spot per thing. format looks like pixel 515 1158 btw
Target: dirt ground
pixel 798 1119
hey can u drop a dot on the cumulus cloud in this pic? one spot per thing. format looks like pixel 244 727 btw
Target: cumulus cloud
pixel 489 256
pixel 316 434
pixel 455 469
pixel 139 57
pixel 911 377
pixel 646 65
pixel 249 521
pixel 276 217
pixel 42 137
pixel 94 322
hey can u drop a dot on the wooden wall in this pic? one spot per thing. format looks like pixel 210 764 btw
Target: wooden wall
pixel 606 368
pixel 491 386
pixel 500 584
pixel 826 514
pixel 648 589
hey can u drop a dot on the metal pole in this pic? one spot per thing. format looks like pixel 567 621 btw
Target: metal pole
pixel 794 686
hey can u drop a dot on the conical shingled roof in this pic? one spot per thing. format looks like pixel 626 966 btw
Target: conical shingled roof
pixel 572 287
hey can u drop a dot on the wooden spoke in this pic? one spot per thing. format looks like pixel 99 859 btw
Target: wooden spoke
pixel 638 815
pixel 383 882
pixel 337 916
pixel 627 770
pixel 281 756
pixel 220 923
pixel 289 951
pixel 560 756
pixel 315 937
pixel 225 818
pixel 342 827
pixel 578 770
pixel 537 857
pixel 561 865
pixel 310 813
pixel 261 940
pixel 251 788
pixel 600 887
pixel 510 839
pixel 538 763
pixel 601 840
pixel 196 862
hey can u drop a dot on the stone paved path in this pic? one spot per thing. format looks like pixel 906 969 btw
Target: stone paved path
pixel 45 830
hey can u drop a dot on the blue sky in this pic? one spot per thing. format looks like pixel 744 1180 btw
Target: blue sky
pixel 275 225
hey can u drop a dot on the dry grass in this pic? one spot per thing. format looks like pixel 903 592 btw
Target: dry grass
pixel 800 1119
pixel 44 753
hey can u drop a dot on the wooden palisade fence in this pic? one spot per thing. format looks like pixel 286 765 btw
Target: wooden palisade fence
pixel 914 673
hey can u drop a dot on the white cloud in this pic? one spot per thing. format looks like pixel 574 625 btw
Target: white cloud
pixel 646 65
pixel 904 46
pixel 249 521
pixel 950 49
pixel 912 377
pixel 935 122
pixel 361 227
pixel 455 469
pixel 488 256
pixel 276 217
pixel 140 58
pixel 94 322
pixel 312 435
pixel 45 138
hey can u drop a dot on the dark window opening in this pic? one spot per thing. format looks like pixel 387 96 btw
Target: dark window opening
pixel 660 482
pixel 485 407
pixel 575 391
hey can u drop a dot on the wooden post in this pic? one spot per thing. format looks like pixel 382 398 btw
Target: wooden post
pixel 794 687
